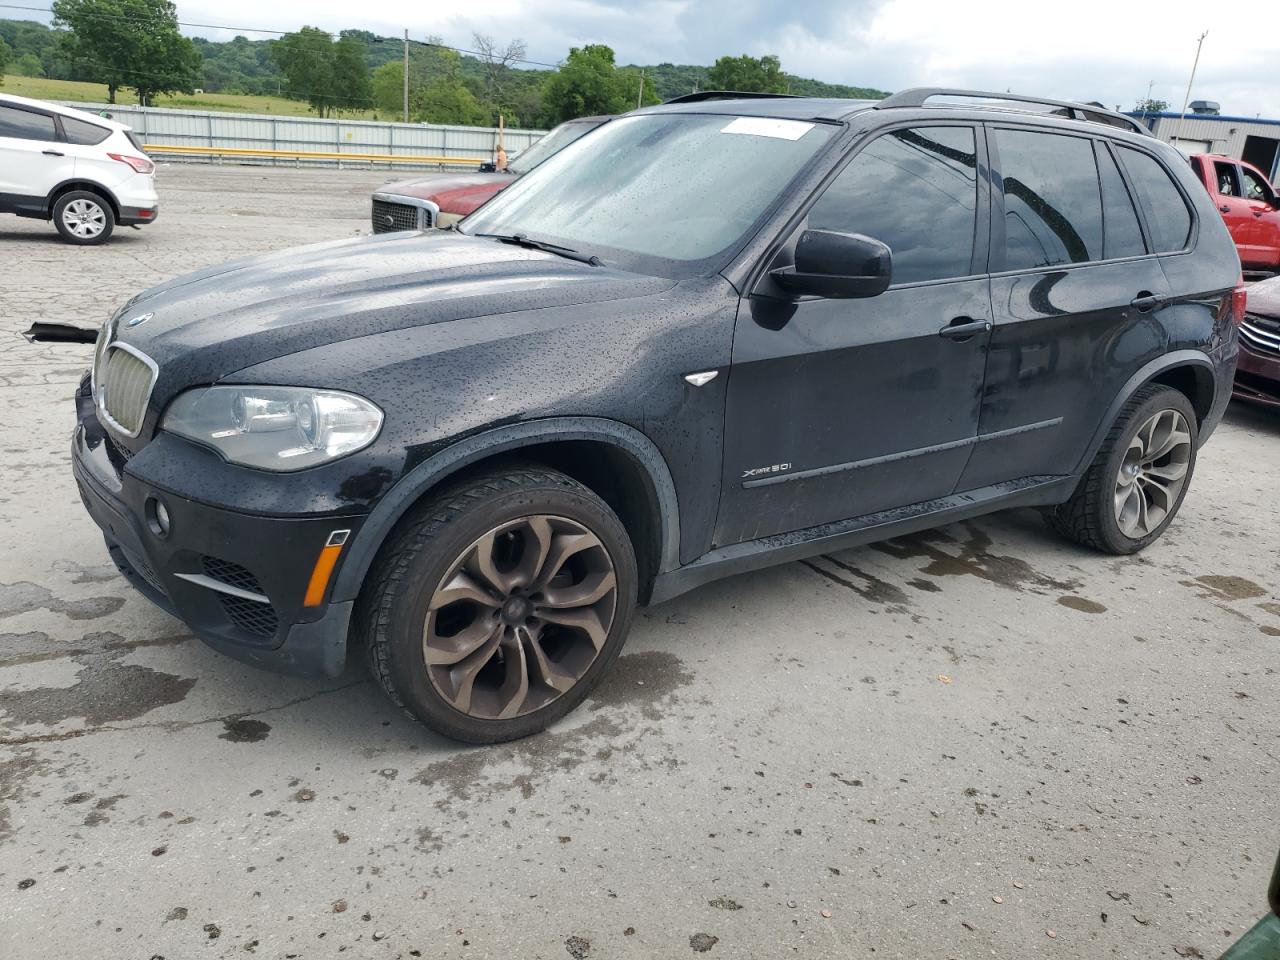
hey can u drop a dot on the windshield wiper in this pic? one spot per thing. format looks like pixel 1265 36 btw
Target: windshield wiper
pixel 520 240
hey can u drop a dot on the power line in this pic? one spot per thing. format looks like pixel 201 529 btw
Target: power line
pixel 280 33
pixel 80 61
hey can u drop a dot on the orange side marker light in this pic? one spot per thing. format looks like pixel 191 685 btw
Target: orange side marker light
pixel 324 568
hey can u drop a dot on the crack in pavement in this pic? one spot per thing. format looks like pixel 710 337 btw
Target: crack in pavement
pixel 170 726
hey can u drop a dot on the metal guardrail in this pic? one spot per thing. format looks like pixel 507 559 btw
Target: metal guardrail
pixel 162 149
pixel 210 137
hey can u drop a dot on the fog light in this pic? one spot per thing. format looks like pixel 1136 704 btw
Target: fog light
pixel 157 517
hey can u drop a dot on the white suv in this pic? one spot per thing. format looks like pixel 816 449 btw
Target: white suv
pixel 81 171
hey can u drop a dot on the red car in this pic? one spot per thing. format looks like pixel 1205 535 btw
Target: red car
pixel 442 199
pixel 1249 205
pixel 1258 369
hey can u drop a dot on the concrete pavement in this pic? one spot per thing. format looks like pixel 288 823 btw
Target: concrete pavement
pixel 980 741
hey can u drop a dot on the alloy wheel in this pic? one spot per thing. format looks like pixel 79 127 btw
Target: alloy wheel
pixel 1152 474
pixel 84 218
pixel 519 617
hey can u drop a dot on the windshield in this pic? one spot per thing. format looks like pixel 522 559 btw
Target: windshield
pixel 552 143
pixel 659 192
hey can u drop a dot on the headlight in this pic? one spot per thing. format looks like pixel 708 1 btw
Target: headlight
pixel 275 428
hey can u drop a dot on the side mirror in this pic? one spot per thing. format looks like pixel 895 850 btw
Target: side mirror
pixel 837 266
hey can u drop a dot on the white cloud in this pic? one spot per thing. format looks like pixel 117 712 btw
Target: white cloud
pixel 1089 49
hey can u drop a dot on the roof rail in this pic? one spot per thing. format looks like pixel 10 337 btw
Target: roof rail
pixel 917 97
pixel 703 95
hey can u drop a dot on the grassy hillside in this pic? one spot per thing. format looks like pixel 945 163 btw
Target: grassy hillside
pixel 40 88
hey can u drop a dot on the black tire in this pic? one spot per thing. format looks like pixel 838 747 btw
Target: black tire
pixel 1089 517
pixel 96 229
pixel 391 615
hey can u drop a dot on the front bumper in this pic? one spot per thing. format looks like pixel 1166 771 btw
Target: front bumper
pixel 215 567
pixel 1257 377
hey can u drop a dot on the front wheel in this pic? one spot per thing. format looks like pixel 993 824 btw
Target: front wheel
pixel 1135 485
pixel 83 218
pixel 500 604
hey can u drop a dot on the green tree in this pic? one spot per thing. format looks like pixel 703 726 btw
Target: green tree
pixel 386 84
pixel 350 75
pixel 1151 106
pixel 4 58
pixel 629 83
pixel 128 43
pixel 437 99
pixel 27 65
pixel 748 74
pixel 330 76
pixel 587 83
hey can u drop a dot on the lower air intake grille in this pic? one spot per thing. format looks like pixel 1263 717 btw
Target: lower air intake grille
pixel 143 569
pixel 252 616
pixel 232 574
pixel 390 217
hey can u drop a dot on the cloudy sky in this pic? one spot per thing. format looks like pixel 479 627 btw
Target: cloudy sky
pixel 1105 50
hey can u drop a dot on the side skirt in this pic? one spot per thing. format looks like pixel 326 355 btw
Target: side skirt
pixel 812 541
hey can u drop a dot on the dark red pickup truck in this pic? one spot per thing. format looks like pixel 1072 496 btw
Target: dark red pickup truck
pixel 441 199
pixel 1250 206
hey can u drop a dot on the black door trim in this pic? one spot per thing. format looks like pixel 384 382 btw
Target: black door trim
pixel 901 455
pixel 829 537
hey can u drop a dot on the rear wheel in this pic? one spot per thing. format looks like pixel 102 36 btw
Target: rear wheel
pixel 500 604
pixel 1136 483
pixel 83 217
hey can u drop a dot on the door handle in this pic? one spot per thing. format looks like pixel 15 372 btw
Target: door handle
pixel 964 328
pixel 53 153
pixel 1224 208
pixel 1145 302
pixel 1257 213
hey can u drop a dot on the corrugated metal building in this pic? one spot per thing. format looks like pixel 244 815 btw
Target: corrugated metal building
pixel 1250 139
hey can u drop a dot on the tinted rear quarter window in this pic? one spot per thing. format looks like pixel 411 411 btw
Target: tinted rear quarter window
pixel 915 190
pixel 82 133
pixel 1122 235
pixel 26 125
pixel 1162 202
pixel 1052 201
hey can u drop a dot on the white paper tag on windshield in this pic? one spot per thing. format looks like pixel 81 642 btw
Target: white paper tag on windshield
pixel 768 127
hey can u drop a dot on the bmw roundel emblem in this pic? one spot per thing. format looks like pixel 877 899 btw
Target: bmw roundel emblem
pixel 139 320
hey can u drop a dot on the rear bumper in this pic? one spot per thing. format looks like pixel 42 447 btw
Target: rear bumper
pixel 187 571
pixel 137 216
pixel 1257 377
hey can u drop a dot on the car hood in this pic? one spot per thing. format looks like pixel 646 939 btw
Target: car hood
pixel 1264 298
pixel 207 325
pixel 453 192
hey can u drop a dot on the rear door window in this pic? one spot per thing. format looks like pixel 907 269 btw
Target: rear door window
pixel 1227 177
pixel 26 124
pixel 1166 210
pixel 915 190
pixel 83 133
pixel 1052 199
pixel 1122 237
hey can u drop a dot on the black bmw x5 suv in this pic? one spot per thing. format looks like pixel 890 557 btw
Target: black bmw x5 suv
pixel 707 337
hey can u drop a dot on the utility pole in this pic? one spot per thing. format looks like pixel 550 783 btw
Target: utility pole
pixel 640 92
pixel 1187 98
pixel 406 75
pixel 1146 104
